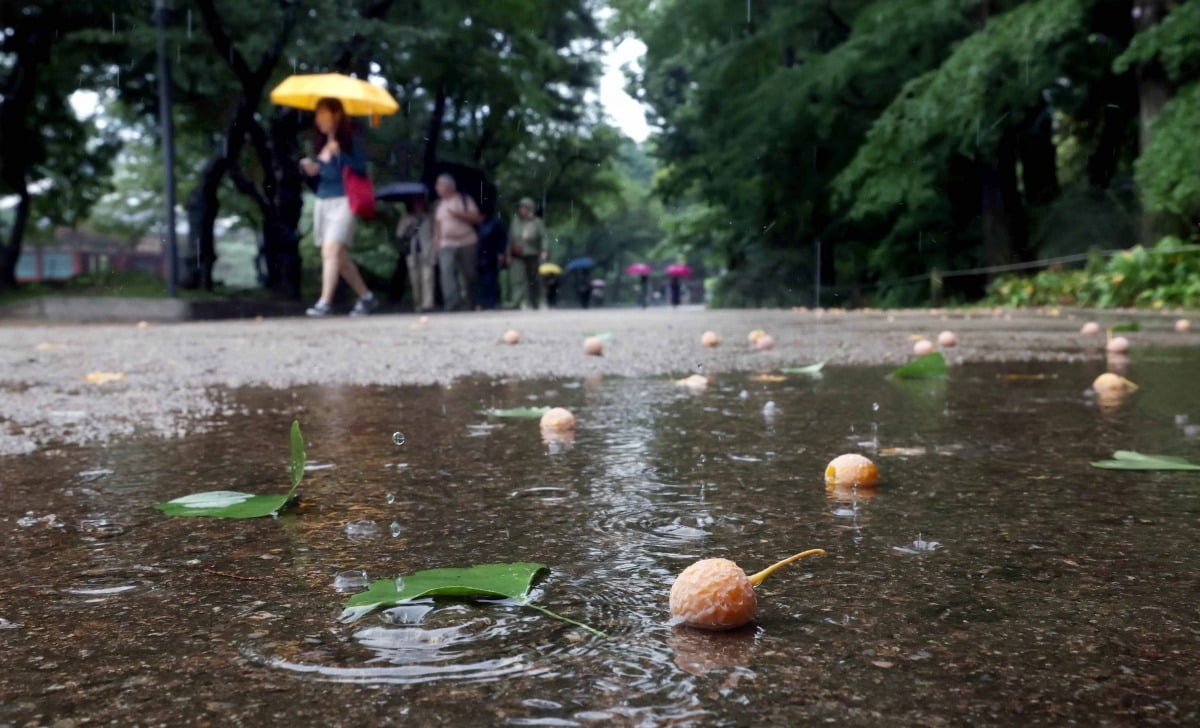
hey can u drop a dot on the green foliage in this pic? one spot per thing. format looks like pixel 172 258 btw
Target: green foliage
pixel 1165 275
pixel 990 84
pixel 1167 173
pixel 235 504
pixel 1174 43
pixel 1130 460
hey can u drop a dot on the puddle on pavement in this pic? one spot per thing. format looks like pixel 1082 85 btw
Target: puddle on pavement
pixel 994 577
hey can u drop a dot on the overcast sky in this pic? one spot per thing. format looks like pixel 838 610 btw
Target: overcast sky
pixel 626 113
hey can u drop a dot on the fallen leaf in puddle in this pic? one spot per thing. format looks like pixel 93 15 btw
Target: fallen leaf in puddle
pixel 883 663
pixel 105 377
pixel 768 378
pixel 46 346
pixel 1130 460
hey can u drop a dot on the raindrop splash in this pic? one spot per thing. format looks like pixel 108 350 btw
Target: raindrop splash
pixel 395 529
pixel 398 438
pixel 391 498
pixel 350 580
pixel 361 530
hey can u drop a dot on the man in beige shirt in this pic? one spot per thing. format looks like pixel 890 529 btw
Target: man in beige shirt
pixel 457 244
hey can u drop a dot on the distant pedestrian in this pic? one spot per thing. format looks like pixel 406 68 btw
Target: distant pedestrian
pixel 336 146
pixel 676 291
pixel 583 287
pixel 415 234
pixel 493 240
pixel 526 248
pixel 456 241
pixel 551 290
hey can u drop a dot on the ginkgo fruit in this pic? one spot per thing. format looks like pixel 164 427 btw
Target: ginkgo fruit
pixel 716 594
pixel 558 419
pixel 851 469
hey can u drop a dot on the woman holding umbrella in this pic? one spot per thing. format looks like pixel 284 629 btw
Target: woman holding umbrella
pixel 336 147
pixel 333 96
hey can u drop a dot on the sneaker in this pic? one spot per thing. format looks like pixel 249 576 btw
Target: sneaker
pixel 320 308
pixel 365 306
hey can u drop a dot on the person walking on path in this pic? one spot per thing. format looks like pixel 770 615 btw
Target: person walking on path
pixel 415 233
pixel 336 146
pixel 493 239
pixel 526 248
pixel 456 242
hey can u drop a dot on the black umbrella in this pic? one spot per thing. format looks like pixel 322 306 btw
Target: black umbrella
pixel 401 192
pixel 471 180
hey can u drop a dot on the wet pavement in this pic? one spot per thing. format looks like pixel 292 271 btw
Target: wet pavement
pixel 176 377
pixel 993 578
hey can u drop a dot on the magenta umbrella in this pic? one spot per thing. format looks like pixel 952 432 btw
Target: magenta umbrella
pixel 639 269
pixel 680 270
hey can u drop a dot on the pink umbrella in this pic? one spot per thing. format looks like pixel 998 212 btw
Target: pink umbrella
pixel 639 269
pixel 680 270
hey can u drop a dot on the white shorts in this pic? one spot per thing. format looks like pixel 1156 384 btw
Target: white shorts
pixel 333 222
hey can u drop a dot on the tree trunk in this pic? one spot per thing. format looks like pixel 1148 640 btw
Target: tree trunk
pixel 284 187
pixel 203 208
pixel 1154 91
pixel 1039 162
pixel 1119 108
pixel 432 135
pixel 1003 214
pixel 31 48
pixel 10 253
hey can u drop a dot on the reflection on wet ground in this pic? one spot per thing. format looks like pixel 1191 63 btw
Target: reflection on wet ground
pixel 993 577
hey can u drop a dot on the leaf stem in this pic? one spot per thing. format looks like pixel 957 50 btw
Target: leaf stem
pixel 568 620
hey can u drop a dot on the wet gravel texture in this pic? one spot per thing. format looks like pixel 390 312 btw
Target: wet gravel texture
pixel 176 375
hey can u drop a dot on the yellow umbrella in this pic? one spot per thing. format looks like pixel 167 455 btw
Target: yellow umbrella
pixel 359 98
pixel 549 269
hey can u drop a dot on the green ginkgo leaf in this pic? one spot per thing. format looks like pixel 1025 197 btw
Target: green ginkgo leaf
pixel 809 369
pixel 1130 460
pixel 929 366
pixel 482 580
pixel 235 504
pixel 530 413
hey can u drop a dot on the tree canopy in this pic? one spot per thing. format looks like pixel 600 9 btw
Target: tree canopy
pixel 850 148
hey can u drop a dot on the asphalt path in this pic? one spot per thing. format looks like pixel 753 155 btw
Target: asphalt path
pixel 169 377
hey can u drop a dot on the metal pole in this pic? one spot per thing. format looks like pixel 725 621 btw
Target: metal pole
pixel 167 129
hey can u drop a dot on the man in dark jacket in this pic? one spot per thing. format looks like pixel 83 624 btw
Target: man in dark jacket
pixel 493 241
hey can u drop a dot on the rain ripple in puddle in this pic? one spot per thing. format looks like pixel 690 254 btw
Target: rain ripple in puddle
pixel 479 649
pixel 98 585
